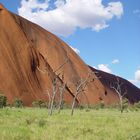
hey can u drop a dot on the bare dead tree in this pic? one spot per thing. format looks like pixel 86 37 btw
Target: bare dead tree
pixel 54 88
pixel 54 84
pixel 80 88
pixel 52 95
pixel 117 86
pixel 54 91
pixel 49 99
pixel 62 90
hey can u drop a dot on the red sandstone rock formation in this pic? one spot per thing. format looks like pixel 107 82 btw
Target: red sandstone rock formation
pixel 24 47
pixel 27 50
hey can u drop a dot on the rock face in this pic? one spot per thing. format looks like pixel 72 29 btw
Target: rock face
pixel 132 92
pixel 26 51
pixel 30 57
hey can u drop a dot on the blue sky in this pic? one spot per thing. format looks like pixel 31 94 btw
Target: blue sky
pixel 114 48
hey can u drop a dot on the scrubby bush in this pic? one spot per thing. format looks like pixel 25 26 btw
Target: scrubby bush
pixel 102 105
pixel 81 107
pixel 18 103
pixel 65 105
pixel 39 103
pixel 98 106
pixel 125 104
pixel 114 106
pixel 41 123
pixel 30 120
pixel 137 105
pixel 3 101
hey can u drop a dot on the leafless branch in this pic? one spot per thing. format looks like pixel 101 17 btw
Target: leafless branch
pixel 66 61
pixel 54 88
pixel 42 71
pixel 61 89
pixel 81 85
pixel 117 87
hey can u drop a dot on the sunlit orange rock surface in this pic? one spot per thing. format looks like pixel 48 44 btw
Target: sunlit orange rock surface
pixel 29 56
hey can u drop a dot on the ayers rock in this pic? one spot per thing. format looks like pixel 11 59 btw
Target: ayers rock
pixel 107 79
pixel 25 50
pixel 29 57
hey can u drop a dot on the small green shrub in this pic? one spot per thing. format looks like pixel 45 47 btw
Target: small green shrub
pixel 125 104
pixel 137 105
pixel 114 106
pixel 41 123
pixel 102 105
pixel 81 107
pixel 65 105
pixel 18 103
pixel 3 101
pixel 39 103
pixel 30 120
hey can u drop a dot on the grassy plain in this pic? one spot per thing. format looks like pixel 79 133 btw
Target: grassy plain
pixel 102 124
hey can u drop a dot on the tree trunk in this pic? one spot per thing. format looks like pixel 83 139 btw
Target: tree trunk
pixel 121 104
pixel 60 102
pixel 62 89
pixel 51 106
pixel 73 104
pixel 52 101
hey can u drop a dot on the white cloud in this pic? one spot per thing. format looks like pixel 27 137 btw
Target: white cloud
pixel 94 67
pixel 133 81
pixel 115 61
pixel 59 3
pixel 137 75
pixel 136 80
pixel 75 49
pixel 104 67
pixel 70 14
